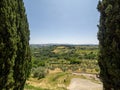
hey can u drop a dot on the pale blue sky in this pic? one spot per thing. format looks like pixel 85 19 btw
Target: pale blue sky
pixel 63 21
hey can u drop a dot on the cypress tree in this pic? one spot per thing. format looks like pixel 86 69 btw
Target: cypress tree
pixel 109 43
pixel 15 59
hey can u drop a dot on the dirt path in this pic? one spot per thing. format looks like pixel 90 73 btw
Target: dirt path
pixel 83 84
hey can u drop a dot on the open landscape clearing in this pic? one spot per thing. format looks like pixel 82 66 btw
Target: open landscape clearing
pixel 66 81
pixel 64 67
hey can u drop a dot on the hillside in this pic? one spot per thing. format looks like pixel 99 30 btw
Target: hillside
pixel 53 63
pixel 65 57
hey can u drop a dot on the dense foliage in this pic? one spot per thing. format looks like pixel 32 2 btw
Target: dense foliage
pixel 15 59
pixel 109 40
pixel 65 57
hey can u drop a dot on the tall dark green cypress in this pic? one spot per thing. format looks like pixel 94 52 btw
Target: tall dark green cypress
pixel 8 43
pixel 109 43
pixel 15 59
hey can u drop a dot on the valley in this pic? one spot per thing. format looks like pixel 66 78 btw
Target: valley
pixel 55 66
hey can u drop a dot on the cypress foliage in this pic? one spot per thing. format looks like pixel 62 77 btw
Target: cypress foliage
pixel 15 59
pixel 109 43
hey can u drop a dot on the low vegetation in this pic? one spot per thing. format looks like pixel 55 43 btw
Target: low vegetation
pixel 53 65
pixel 56 81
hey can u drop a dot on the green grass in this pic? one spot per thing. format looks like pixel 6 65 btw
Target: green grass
pixel 50 82
pixel 57 76
pixel 54 81
pixel 61 78
pixel 30 87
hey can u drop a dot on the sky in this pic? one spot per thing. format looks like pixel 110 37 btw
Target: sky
pixel 62 21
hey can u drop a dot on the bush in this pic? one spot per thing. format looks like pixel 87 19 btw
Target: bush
pixel 39 72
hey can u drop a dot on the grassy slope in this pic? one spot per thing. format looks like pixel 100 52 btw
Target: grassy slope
pixel 30 87
pixel 53 81
pixel 59 80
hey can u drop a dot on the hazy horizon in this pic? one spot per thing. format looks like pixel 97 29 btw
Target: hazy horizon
pixel 60 44
pixel 62 21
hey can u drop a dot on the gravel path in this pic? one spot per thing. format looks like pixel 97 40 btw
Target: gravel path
pixel 83 84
